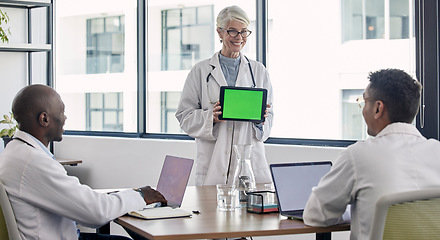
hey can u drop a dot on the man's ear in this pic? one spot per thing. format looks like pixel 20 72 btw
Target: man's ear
pixel 43 119
pixel 379 108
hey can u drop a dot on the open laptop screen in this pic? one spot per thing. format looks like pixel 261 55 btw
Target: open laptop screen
pixel 174 179
pixel 294 182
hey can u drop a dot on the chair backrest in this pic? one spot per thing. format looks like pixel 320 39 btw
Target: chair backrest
pixel 407 215
pixel 8 225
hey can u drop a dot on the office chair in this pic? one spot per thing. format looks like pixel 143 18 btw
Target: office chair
pixel 407 215
pixel 8 225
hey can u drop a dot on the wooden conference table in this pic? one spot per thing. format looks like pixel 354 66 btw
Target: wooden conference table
pixel 70 162
pixel 212 223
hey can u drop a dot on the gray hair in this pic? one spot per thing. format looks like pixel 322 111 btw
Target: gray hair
pixel 232 13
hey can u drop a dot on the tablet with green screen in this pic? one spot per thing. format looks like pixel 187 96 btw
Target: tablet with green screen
pixel 243 104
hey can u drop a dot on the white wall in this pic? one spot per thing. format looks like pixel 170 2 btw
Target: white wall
pixel 126 162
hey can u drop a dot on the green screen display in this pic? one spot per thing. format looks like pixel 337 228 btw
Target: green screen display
pixel 242 104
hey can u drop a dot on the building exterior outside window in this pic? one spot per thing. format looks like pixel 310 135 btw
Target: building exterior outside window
pixel 375 19
pixel 169 102
pixel 316 67
pixel 353 124
pixel 104 112
pixel 105 45
pixel 187 36
pixel 318 58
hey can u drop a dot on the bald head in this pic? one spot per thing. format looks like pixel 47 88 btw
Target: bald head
pixel 34 106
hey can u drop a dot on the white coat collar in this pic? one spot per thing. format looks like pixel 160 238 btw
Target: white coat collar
pixel 399 128
pixel 218 75
pixel 243 73
pixel 32 141
pixel 26 138
pixel 216 72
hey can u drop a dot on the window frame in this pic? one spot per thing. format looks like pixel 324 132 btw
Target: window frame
pixel 427 72
pixel 427 66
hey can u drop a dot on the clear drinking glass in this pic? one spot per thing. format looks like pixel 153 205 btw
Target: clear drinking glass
pixel 227 197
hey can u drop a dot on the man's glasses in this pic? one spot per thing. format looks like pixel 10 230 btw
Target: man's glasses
pixel 361 101
pixel 234 33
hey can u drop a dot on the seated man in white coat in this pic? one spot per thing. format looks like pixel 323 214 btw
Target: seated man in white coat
pixel 397 159
pixel 46 201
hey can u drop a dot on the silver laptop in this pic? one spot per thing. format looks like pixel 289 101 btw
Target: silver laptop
pixel 174 179
pixel 293 184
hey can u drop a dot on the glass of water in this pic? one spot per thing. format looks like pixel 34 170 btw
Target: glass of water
pixel 227 197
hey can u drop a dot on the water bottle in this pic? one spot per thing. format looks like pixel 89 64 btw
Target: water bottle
pixel 244 178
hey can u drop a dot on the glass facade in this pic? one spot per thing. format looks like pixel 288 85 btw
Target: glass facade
pixel 186 36
pixel 105 45
pixel 318 60
pixel 104 111
pixel 375 19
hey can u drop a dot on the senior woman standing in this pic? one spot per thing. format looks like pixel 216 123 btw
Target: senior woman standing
pixel 199 108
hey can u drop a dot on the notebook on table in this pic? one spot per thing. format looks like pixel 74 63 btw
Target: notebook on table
pixel 293 185
pixel 172 184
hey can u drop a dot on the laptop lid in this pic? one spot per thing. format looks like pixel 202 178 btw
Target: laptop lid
pixel 294 182
pixel 174 179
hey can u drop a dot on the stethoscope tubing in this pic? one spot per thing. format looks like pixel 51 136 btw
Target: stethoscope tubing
pixel 213 67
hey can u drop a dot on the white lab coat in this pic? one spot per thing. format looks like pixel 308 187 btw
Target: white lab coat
pixel 215 157
pixel 398 159
pixel 47 202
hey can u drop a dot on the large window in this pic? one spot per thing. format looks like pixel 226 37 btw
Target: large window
pixel 96 71
pixel 318 59
pixel 180 34
pixel 316 74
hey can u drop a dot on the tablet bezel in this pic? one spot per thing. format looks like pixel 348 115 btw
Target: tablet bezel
pixel 263 103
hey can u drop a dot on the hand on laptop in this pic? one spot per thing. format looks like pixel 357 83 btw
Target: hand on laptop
pixel 151 196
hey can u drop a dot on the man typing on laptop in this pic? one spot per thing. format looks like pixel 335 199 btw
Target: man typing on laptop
pixel 48 203
pixel 397 159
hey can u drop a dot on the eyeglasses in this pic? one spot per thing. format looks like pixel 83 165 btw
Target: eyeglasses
pixel 361 101
pixel 234 33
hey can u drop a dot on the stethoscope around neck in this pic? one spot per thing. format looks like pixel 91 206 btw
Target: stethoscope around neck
pixel 209 75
